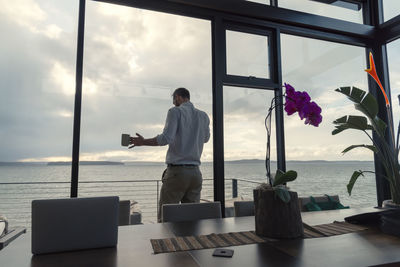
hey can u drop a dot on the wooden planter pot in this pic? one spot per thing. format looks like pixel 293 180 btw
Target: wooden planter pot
pixel 275 218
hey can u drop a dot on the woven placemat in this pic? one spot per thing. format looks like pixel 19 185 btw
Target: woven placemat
pixel 185 243
pixel 330 229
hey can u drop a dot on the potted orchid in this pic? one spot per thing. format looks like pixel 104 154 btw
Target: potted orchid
pixel 387 152
pixel 295 101
pixel 277 212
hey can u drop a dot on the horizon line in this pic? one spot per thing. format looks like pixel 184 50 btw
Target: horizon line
pixel 143 161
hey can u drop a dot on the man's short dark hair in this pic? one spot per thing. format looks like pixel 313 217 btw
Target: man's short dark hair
pixel 183 92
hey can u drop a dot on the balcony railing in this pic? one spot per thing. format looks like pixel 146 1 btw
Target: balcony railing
pixel 16 198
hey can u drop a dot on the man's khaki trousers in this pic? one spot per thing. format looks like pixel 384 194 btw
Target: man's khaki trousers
pixel 180 184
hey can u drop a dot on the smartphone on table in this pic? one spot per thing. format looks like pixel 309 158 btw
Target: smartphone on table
pixel 223 252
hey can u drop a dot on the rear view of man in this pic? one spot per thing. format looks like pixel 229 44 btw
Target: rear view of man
pixel 185 132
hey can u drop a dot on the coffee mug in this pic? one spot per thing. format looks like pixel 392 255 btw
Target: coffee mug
pixel 125 139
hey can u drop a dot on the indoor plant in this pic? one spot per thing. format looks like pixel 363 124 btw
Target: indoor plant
pixel 387 152
pixel 295 101
pixel 277 212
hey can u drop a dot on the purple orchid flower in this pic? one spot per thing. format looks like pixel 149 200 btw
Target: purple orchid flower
pixel 290 107
pixel 300 102
pixel 312 114
pixel 289 91
pixel 301 99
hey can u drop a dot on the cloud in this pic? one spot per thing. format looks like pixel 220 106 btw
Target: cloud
pixel 32 125
pixel 46 159
pixel 133 60
pixel 247 54
pixel 128 76
pixel 136 61
pixel 30 15
pixel 26 13
pixel 319 67
pixel 327 152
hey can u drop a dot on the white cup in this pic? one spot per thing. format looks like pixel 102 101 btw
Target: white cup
pixel 125 139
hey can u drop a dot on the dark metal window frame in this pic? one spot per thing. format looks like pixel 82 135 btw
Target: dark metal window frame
pixel 373 35
pixel 225 79
pixel 250 81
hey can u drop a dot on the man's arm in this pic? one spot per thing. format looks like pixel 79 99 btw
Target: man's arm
pixel 207 136
pixel 170 128
pixel 167 136
pixel 141 141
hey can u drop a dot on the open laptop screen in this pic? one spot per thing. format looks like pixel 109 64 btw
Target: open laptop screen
pixel 74 224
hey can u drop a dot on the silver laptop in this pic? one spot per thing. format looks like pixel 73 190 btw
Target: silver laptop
pixel 74 224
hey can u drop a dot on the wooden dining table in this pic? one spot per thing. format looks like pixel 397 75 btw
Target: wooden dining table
pixel 363 248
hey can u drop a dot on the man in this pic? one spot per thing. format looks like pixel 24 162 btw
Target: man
pixel 185 132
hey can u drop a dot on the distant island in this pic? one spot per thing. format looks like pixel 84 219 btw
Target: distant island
pixel 63 163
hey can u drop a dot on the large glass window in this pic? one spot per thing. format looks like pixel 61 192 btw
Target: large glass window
pixel 245 111
pixel 320 67
pixel 38 52
pixel 391 8
pixel 134 60
pixel 247 54
pixel 245 140
pixel 339 10
pixel 393 52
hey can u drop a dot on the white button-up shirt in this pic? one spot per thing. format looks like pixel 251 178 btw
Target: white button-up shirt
pixel 186 130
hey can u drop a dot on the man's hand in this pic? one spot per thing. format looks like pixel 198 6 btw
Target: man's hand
pixel 137 141
pixel 141 141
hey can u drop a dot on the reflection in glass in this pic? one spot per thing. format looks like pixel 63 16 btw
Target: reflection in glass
pixel 320 67
pixel 134 60
pixel 323 9
pixel 247 54
pixel 391 9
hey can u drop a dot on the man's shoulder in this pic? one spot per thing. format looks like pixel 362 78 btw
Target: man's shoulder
pixel 202 113
pixel 174 113
pixel 174 110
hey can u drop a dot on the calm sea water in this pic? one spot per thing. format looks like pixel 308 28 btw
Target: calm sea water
pixel 140 183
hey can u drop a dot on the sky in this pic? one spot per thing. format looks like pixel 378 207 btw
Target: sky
pixel 134 59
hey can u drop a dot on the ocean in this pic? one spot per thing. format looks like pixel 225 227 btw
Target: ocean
pixel 141 182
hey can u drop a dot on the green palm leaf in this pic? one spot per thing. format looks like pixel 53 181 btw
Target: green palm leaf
pixel 351 122
pixel 380 126
pixel 353 180
pixel 370 147
pixel 367 104
pixel 363 101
